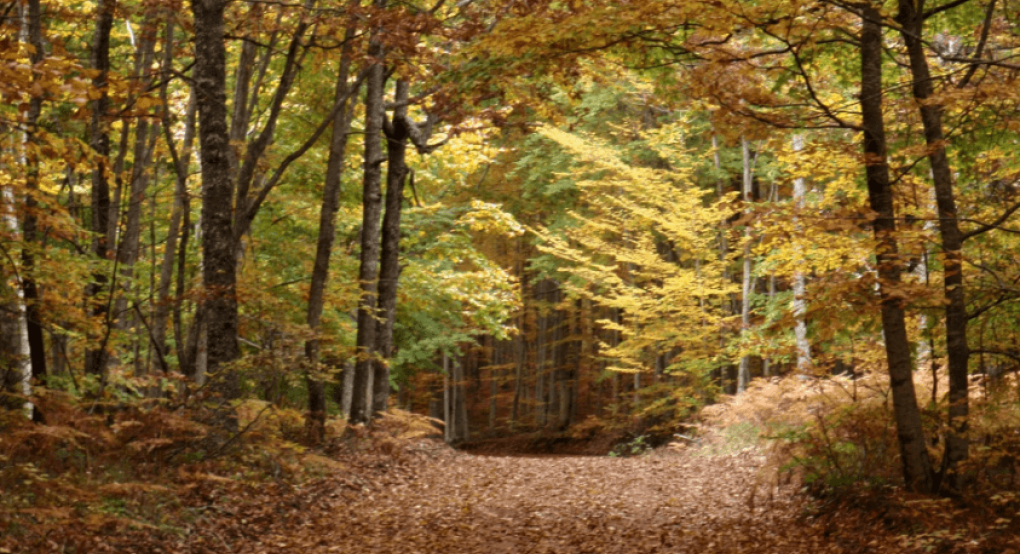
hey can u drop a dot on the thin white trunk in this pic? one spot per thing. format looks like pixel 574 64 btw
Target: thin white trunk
pixel 21 355
pixel 799 279
pixel 744 375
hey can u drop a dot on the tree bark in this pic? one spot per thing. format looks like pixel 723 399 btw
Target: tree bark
pixel 957 351
pixel 29 225
pixel 15 368
pixel 182 162
pixel 219 275
pixel 327 232
pixel 368 273
pixel 744 373
pixel 99 140
pixel 397 172
pixel 799 279
pixel 917 469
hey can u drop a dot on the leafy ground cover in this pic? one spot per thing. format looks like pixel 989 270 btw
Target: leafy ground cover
pixel 396 489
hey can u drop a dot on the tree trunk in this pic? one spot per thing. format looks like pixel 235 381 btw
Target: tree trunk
pixel 99 140
pixel 744 373
pixel 957 351
pixel 494 370
pixel 368 273
pixel 29 225
pixel 447 401
pixel 15 368
pixel 460 405
pixel 799 280
pixel 130 240
pixel 182 163
pixel 389 263
pixel 917 469
pixel 218 246
pixel 327 233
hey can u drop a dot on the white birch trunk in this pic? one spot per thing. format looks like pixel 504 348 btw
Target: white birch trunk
pixel 799 279
pixel 21 355
pixel 744 374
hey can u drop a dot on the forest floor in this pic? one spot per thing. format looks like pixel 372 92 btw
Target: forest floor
pixel 424 497
pixel 377 493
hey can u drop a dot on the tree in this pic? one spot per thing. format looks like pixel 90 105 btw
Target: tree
pixel 219 248
pixel 917 469
pixel 368 274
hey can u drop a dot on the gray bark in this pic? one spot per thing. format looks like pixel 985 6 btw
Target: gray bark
pixel 368 273
pixel 744 373
pixel 397 172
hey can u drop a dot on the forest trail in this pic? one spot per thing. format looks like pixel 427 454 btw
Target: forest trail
pixel 464 503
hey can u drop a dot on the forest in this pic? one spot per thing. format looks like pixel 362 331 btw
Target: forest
pixel 510 276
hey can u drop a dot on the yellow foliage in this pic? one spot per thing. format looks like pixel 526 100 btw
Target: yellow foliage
pixel 646 249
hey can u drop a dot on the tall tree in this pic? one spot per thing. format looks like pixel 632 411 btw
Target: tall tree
pixel 32 21
pixel 327 231
pixel 911 19
pixel 917 468
pixel 368 274
pixel 397 134
pixel 747 180
pixel 219 276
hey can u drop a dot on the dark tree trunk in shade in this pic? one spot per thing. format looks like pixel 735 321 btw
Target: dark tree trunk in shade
pixel 99 140
pixel 368 273
pixel 957 350
pixel 219 276
pixel 327 233
pixel 917 469
pixel 389 263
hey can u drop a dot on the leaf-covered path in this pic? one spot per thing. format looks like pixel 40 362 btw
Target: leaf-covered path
pixel 462 503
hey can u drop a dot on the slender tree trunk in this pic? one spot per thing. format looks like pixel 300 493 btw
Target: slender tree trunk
pixel 799 279
pixel 95 358
pixel 181 338
pixel 15 367
pixel 917 469
pixel 460 406
pixel 219 275
pixel 540 356
pixel 744 373
pixel 389 264
pixel 368 273
pixel 958 353
pixel 182 163
pixel 327 233
pixel 29 225
pixel 447 401
pixel 128 248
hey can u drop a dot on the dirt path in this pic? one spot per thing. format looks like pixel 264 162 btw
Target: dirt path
pixel 465 503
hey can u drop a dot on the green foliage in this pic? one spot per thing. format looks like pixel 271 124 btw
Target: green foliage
pixel 637 446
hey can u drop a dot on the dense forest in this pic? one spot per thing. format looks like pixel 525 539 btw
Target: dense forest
pixel 519 222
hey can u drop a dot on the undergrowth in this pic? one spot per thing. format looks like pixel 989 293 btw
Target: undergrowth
pixel 834 438
pixel 154 470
